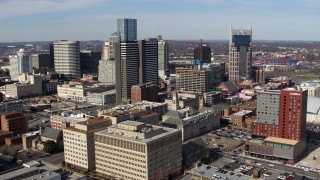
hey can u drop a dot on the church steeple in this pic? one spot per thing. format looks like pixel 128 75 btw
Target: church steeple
pixel 202 102
pixel 175 100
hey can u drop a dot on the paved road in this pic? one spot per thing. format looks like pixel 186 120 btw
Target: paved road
pixel 277 167
pixel 54 159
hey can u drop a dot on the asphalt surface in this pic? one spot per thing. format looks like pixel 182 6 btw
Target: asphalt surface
pixel 55 159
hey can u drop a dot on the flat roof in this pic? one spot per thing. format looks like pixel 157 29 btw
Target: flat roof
pixel 93 121
pixel 242 113
pixel 281 140
pixel 132 123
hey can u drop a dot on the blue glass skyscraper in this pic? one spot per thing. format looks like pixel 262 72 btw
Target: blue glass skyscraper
pixel 127 29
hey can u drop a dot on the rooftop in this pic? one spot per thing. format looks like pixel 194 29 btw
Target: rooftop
pixel 242 113
pixel 117 132
pixel 281 140
pixel 93 121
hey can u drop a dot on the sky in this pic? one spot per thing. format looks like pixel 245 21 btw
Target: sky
pixel 47 20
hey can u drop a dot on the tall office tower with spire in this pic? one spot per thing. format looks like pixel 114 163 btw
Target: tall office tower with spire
pixel 67 58
pixel 127 29
pixel 240 54
pixel 20 63
pixel 163 56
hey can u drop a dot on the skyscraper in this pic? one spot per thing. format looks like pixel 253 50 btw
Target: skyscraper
pixel 127 29
pixel 127 69
pixel 67 58
pixel 20 63
pixel 136 63
pixel 163 56
pixel 206 53
pixel 240 54
pixel 148 60
pixel 89 62
pixel 107 67
pixel 41 60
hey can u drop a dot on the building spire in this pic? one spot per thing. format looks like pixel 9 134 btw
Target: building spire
pixel 175 100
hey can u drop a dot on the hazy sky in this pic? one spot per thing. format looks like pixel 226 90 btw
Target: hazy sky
pixel 33 20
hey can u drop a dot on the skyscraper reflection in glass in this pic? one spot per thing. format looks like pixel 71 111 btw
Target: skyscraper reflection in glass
pixel 127 29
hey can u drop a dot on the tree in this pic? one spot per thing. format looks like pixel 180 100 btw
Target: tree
pixel 49 146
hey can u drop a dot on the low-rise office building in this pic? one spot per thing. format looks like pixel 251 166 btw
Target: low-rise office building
pixel 160 108
pixel 134 150
pixel 11 106
pixel 79 92
pixel 28 86
pixel 27 139
pixel 79 147
pixel 102 98
pixel 65 120
pixel 14 122
pixel 276 148
pixel 192 123
pixel 134 114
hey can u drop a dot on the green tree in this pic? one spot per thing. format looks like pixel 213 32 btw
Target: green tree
pixel 49 146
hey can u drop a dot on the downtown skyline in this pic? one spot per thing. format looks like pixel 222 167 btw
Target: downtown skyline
pixel 47 20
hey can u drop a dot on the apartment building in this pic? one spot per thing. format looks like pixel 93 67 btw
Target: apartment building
pixel 79 148
pixel 14 122
pixel 134 150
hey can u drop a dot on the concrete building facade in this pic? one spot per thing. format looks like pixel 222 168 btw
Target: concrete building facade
pixel 134 150
pixel 191 123
pixel 79 92
pixel 197 79
pixel 20 63
pixel 65 120
pixel 29 86
pixel 67 58
pixel 107 70
pixel 102 98
pixel 163 56
pixel 79 147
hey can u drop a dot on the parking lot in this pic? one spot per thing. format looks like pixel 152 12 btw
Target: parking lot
pixel 227 139
pixel 312 160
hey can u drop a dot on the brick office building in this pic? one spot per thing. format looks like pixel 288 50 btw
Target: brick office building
pixel 145 91
pixel 14 122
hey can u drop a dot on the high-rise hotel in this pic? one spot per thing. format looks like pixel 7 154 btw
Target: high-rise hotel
pixel 281 120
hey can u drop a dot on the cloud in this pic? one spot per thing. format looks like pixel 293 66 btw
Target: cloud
pixel 11 8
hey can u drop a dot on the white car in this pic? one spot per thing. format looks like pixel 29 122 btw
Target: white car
pixel 258 164
pixel 271 165
pixel 266 175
